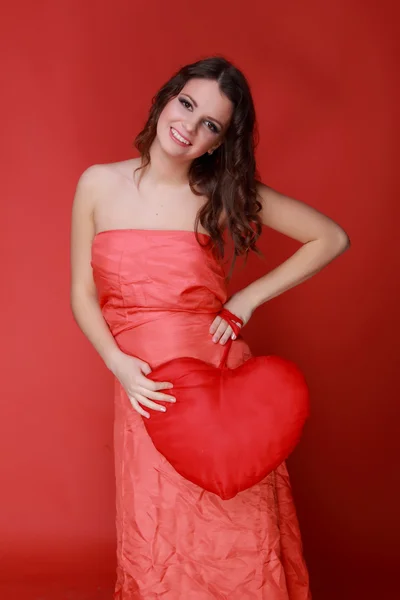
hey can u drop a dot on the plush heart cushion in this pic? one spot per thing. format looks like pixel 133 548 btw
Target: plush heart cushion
pixel 229 428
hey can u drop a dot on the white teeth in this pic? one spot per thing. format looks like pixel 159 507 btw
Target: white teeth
pixel 179 137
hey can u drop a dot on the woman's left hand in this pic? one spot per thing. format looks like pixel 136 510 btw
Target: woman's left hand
pixel 237 305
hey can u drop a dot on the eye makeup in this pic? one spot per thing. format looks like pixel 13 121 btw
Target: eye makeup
pixel 189 105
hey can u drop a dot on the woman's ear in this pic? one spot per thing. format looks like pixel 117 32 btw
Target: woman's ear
pixel 214 148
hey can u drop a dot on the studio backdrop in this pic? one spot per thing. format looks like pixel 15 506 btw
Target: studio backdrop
pixel 77 82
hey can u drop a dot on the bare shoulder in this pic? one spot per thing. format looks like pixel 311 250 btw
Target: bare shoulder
pixel 121 170
pixel 100 183
pixel 91 183
pixel 272 201
pixel 267 194
pixel 97 176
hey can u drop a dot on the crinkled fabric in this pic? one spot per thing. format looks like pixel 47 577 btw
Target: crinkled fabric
pixel 159 291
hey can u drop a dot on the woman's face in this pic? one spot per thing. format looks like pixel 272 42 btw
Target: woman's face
pixel 195 121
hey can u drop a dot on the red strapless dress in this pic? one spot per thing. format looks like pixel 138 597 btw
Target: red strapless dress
pixel 159 292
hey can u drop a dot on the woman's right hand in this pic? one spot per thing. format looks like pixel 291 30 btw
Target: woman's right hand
pixel 131 373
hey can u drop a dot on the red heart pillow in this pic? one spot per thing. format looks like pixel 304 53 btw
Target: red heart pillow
pixel 229 428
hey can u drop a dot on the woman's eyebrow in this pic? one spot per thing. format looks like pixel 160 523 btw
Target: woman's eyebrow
pixel 196 105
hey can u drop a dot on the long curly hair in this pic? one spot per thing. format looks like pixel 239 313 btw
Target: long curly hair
pixel 227 177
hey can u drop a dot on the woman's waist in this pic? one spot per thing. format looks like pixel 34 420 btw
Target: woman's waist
pixel 163 336
pixel 143 320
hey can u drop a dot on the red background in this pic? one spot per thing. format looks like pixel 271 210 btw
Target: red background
pixel 77 81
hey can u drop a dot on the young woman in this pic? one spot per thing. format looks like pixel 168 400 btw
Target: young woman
pixel 147 287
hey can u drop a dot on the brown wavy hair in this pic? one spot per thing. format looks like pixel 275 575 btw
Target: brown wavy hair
pixel 228 176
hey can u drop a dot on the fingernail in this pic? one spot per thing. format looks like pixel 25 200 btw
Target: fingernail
pixel 233 336
pixel 163 409
pixel 215 340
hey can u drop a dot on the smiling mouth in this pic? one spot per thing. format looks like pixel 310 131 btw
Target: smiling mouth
pixel 179 137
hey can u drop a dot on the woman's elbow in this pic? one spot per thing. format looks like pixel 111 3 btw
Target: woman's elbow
pixel 344 242
pixel 339 241
pixel 79 296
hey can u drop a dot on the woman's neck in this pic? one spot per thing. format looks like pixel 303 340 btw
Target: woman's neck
pixel 164 170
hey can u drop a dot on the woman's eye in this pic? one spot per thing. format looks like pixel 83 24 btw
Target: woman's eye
pixel 211 126
pixel 185 103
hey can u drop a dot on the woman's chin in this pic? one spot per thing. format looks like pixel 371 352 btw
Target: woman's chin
pixel 173 150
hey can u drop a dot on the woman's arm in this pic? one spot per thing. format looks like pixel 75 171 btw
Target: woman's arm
pixel 84 303
pixel 322 239
pixel 129 370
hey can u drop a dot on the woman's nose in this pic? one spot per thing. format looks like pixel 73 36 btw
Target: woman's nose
pixel 190 126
